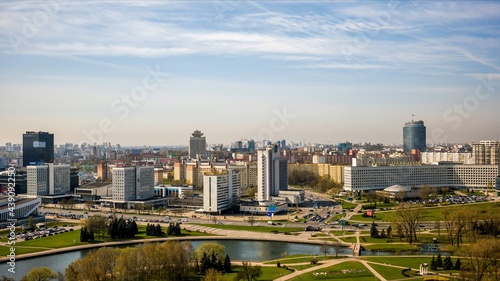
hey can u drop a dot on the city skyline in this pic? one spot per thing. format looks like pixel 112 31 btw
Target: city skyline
pixel 152 72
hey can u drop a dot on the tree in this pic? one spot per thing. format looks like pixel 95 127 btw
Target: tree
pixel 325 249
pixel 389 231
pixel 227 264
pixel 427 192
pixel 410 217
pixel 251 192
pixel 97 224
pixel 336 248
pixel 458 264
pixel 96 265
pixel 447 264
pixel 439 260
pixel 251 220
pixel 483 260
pixel 213 275
pixel 209 249
pixel 40 274
pixel 433 264
pixel 374 231
pixel 248 272
pixel 31 223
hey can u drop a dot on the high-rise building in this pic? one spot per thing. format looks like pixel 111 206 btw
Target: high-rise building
pixel 133 183
pixel 486 152
pixel 38 147
pixel 48 179
pixel 221 190
pixel 197 145
pixel 272 173
pixel 414 136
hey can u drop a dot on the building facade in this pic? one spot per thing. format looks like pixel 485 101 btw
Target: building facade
pixel 197 145
pixel 414 136
pixel 447 175
pixel 48 179
pixel 221 190
pixel 486 152
pixel 272 173
pixel 38 147
pixel 133 183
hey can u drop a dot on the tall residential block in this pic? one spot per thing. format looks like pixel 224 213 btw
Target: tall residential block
pixel 414 136
pixel 221 190
pixel 48 179
pixel 486 152
pixel 133 183
pixel 38 147
pixel 272 173
pixel 197 145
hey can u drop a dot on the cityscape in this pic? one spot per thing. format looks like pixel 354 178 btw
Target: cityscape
pixel 250 140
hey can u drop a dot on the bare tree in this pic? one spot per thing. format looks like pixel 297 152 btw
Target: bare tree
pixel 410 217
pixel 325 248
pixel 251 220
pixel 336 248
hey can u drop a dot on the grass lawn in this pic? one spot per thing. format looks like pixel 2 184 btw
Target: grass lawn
pixel 388 272
pixel 359 273
pixel 349 239
pixel 266 229
pixel 348 205
pixel 269 273
pixel 342 233
pixel 66 240
pixel 413 262
pixel 302 267
pixel 391 247
pixel 320 235
pixel 432 213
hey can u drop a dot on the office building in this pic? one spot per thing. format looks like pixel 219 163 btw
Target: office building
pixel 48 179
pixel 197 145
pixel 133 183
pixel 444 175
pixel 38 147
pixel 414 136
pixel 272 173
pixel 221 190
pixel 486 152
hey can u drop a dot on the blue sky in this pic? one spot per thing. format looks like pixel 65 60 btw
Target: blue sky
pixel 151 72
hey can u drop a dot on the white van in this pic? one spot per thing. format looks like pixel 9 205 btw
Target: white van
pixel 184 220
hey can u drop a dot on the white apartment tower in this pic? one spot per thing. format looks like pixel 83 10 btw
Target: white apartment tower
pixel 272 173
pixel 133 183
pixel 48 179
pixel 221 190
pixel 197 145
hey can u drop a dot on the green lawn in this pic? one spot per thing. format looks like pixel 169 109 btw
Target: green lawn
pixel 412 262
pixel 391 247
pixel 360 273
pixel 349 239
pixel 266 229
pixel 388 272
pixel 302 267
pixel 432 213
pixel 72 238
pixel 348 205
pixel 269 273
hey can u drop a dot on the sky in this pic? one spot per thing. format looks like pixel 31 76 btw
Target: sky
pixel 152 72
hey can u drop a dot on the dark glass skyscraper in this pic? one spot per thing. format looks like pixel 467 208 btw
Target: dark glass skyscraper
pixel 414 136
pixel 38 147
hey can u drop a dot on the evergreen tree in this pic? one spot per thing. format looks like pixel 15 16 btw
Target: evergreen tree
pixel 227 264
pixel 134 228
pixel 374 231
pixel 433 264
pixel 448 264
pixel 458 264
pixel 158 231
pixel 383 234
pixel 389 231
pixel 83 235
pixel 439 261
pixel 204 264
